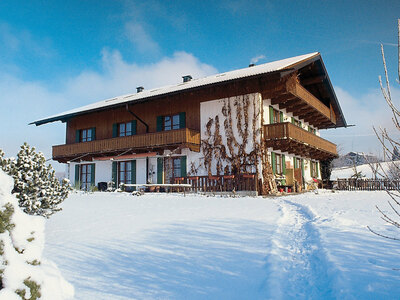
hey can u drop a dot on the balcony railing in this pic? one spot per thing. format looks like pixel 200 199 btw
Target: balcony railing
pixel 290 138
pixel 185 136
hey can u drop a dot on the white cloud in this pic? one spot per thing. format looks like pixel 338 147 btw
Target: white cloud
pixel 25 101
pixel 140 38
pixel 256 59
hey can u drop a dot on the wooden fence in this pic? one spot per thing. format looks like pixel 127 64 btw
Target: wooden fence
pixel 221 183
pixel 352 184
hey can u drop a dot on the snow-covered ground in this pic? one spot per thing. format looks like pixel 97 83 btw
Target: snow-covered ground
pixel 365 169
pixel 168 246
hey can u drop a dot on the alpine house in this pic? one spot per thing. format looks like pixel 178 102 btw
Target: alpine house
pixel 247 129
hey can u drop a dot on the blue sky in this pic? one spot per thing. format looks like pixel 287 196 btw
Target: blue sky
pixel 58 55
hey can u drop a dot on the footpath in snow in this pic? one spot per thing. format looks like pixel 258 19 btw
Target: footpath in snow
pixel 118 246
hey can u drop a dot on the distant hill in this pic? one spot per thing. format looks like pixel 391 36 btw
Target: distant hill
pixel 354 158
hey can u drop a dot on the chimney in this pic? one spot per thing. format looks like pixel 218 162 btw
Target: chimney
pixel 187 78
pixel 251 65
pixel 139 89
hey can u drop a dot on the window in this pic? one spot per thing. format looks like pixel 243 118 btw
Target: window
pixel 297 162
pixel 278 159
pixel 275 115
pixel 314 169
pixel 86 135
pixel 177 170
pixel 86 177
pixel 171 122
pixel 125 129
pixel 125 172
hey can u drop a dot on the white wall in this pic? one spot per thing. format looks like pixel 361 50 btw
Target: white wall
pixel 141 170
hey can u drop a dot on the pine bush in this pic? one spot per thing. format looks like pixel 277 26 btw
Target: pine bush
pixel 36 187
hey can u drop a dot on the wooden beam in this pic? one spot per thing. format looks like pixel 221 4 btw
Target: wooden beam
pixel 313 80
pixel 282 98
pixel 290 103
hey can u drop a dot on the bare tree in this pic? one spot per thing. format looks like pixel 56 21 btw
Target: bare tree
pixel 388 144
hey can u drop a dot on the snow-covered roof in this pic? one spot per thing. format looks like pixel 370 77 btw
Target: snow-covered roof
pixel 194 83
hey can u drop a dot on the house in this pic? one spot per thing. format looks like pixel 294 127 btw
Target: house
pixel 255 122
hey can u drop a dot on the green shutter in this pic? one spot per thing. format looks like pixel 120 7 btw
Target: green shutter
pixel 77 175
pixel 281 117
pixel 77 136
pixel 93 133
pixel 300 124
pixel 182 120
pixel 295 162
pixel 302 168
pixel 159 123
pixel 160 170
pixel 114 173
pixel 271 115
pixel 133 173
pixel 92 174
pixel 273 161
pixel 283 165
pixel 317 167
pixel 292 120
pixel 183 166
pixel 114 130
pixel 134 125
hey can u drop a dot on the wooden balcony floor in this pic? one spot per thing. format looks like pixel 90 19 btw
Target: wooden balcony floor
pixel 290 138
pixel 135 143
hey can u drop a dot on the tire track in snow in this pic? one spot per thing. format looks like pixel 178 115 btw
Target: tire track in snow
pixel 297 264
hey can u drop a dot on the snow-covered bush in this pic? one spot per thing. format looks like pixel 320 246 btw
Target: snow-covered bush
pixel 23 272
pixel 35 184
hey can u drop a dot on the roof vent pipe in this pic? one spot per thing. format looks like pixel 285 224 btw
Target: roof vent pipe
pixel 139 89
pixel 251 65
pixel 187 78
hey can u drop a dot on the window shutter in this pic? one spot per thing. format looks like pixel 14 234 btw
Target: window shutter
pixel 114 130
pixel 281 117
pixel 114 173
pixel 273 161
pixel 295 162
pixel 92 174
pixel 271 115
pixel 182 120
pixel 317 167
pixel 77 136
pixel 159 123
pixel 93 133
pixel 134 125
pixel 160 170
pixel 300 124
pixel 133 173
pixel 302 168
pixel 292 120
pixel 183 166
pixel 283 165
pixel 77 175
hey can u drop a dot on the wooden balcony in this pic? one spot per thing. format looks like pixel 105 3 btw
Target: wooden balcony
pixel 137 143
pixel 301 103
pixel 290 138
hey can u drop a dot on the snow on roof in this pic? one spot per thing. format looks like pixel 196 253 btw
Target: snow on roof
pixel 236 74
